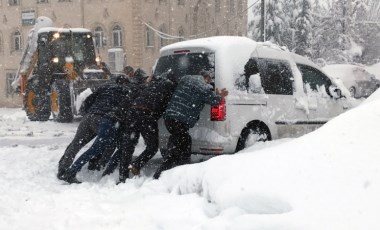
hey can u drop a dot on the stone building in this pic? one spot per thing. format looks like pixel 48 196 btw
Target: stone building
pixel 133 29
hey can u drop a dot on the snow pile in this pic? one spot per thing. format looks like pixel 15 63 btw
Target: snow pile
pixel 327 179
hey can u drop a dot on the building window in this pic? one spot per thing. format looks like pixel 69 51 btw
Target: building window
pixel 149 36
pixel 99 37
pixel 9 79
pixel 16 41
pixel 217 6
pixel 42 1
pixel 181 2
pixel 163 41
pixel 240 7
pixel 64 0
pixel 232 6
pixel 117 36
pixel 28 17
pixel 1 43
pixel 181 34
pixel 14 2
pixel 162 2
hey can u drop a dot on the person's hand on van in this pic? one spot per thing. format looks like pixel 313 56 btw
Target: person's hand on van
pixel 223 92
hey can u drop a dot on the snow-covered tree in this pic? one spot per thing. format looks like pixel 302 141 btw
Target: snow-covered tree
pixel 304 24
pixel 360 9
pixel 291 11
pixel 275 21
pixel 254 30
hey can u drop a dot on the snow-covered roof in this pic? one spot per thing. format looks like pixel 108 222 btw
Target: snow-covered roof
pixel 210 43
pixel 63 30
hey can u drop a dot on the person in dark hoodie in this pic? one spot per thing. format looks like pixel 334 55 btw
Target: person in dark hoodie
pixel 93 108
pixel 110 127
pixel 138 80
pixel 182 113
pixel 142 119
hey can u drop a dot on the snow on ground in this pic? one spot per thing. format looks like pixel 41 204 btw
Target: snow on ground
pixel 328 179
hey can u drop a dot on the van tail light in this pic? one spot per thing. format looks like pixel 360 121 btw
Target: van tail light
pixel 218 113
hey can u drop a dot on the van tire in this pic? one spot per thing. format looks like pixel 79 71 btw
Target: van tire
pixel 36 101
pixel 252 134
pixel 61 101
pixel 164 153
pixel 353 91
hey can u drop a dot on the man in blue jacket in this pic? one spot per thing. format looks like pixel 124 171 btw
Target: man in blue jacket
pixel 182 113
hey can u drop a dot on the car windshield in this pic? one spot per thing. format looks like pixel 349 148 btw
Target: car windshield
pixel 186 64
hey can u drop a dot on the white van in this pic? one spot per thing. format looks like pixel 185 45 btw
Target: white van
pixel 289 97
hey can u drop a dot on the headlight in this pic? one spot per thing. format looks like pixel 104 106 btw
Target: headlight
pixel 56 35
pixel 55 60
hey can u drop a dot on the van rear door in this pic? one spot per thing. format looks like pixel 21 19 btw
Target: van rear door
pixel 189 61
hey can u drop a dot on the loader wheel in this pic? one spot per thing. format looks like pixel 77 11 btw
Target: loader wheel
pixel 36 102
pixel 61 101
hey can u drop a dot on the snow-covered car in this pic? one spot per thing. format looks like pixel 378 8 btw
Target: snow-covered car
pixel 289 97
pixel 374 69
pixel 355 78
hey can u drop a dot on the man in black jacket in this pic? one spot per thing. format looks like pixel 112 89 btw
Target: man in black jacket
pixel 142 119
pixel 96 106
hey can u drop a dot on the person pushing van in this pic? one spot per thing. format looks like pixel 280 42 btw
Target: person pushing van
pixel 181 114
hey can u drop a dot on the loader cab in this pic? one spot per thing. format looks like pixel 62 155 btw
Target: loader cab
pixel 56 47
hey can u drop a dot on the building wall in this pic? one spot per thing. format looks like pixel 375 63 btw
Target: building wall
pixel 195 18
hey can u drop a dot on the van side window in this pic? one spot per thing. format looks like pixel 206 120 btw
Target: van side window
pixel 250 80
pixel 314 80
pixel 276 77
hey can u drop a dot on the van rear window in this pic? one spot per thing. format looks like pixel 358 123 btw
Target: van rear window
pixel 186 64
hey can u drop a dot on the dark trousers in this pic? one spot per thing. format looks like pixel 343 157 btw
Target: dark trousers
pixel 144 123
pixel 107 132
pixel 87 130
pixel 178 148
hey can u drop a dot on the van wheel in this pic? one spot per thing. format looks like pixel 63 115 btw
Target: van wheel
pixel 164 153
pixel 61 101
pixel 36 102
pixel 352 91
pixel 251 135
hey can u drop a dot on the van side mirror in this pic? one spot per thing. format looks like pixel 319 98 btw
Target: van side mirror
pixel 336 92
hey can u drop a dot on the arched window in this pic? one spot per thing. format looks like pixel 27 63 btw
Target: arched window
pixel 99 37
pixel 16 40
pixel 181 34
pixel 1 43
pixel 163 41
pixel 240 7
pixel 149 36
pixel 232 6
pixel 117 36
pixel 217 6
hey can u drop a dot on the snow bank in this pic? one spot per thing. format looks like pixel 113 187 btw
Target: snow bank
pixel 327 179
